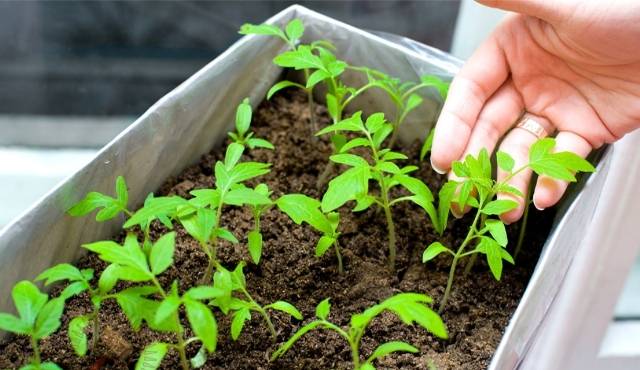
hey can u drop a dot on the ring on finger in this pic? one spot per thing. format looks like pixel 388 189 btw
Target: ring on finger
pixel 535 125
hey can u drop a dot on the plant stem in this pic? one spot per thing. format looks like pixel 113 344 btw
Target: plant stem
pixel 312 117
pixel 36 352
pixel 456 257
pixel 324 176
pixel 391 228
pixel 180 334
pixel 263 313
pixel 339 257
pixel 474 257
pixel 96 328
pixel 523 222
pixel 396 127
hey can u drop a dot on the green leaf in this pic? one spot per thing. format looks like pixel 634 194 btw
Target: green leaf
pixel 248 170
pixel 200 225
pixel 500 206
pixel 259 143
pixel 391 156
pixel 428 143
pixel 203 323
pixel 381 135
pixel 167 308
pixel 573 162
pixel 316 77
pixel 460 169
pixel 367 366
pixel 28 301
pixel 152 356
pixel 323 309
pixel 13 324
pixel 63 271
pixel 433 250
pixel 225 234
pixel 243 195
pixel 301 58
pixel 239 318
pixel 46 366
pixel 203 292
pixel 232 156
pixel 410 308
pixel 349 159
pixel 445 196
pixel 492 250
pixel 438 84
pixel 282 85
pixel 363 201
pixel 121 191
pixel 108 278
pixel 205 198
pixel 388 167
pixel 353 123
pixel 552 168
pixel 497 231
pixel 199 359
pixel 301 208
pixel 243 118
pixel 77 336
pixel 505 161
pixel 286 307
pixel 324 243
pixel 375 122
pixel 332 108
pixel 345 187
pixel 160 206
pixel 161 256
pixel 255 245
pixel 48 320
pixel 294 338
pixel 390 347
pixel 294 30
pixel 262 29
pixel 541 148
pixel 413 102
pixel 92 201
pixel 506 188
pixel 338 141
pixel 74 288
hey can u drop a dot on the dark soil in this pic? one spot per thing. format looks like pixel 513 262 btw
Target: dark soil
pixel 476 316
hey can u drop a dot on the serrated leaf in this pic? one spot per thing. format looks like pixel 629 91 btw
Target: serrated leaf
pixel 301 208
pixel 160 206
pixel 492 250
pixel 294 30
pixel 382 134
pixel 498 207
pixel 239 318
pixel 552 168
pixel 433 250
pixel 505 161
pixel 203 323
pixel 497 231
pixel 391 156
pixel 323 309
pixel 259 143
pixel 349 159
pixel 151 357
pixel 353 123
pixel 167 308
pixel 63 271
pixel 316 77
pixel 200 225
pixel 248 170
pixel 573 162
pixel 13 324
pixel 255 245
pixel 77 336
pixel 262 29
pixel 375 122
pixel 225 234
pixel 428 143
pixel 413 102
pixel 48 320
pixel 243 195
pixel 460 169
pixel 204 292
pixel 541 148
pixel 28 300
pixel 286 307
pixel 161 256
pixel 345 187
pixel 324 243
pixel 301 58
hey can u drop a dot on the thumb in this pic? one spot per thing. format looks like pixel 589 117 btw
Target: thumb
pixel 548 10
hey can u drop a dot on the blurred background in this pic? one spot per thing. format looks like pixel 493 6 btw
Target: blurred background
pixel 74 74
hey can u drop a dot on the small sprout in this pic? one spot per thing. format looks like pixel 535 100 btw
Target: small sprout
pixel 258 209
pixel 409 307
pixel 227 283
pixel 353 184
pixel 80 281
pixel 242 135
pixel 110 207
pixel 38 317
pixel 302 208
pixel 478 190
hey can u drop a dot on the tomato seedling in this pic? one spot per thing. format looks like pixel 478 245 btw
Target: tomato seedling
pixel 478 190
pixel 353 184
pixel 301 208
pixel 38 317
pixel 409 307
pixel 242 135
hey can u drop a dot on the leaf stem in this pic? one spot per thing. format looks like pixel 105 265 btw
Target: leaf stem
pixel 336 246
pixel 36 352
pixel 263 313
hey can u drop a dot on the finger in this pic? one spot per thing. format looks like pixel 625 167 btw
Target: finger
pixel 548 190
pixel 548 10
pixel 495 119
pixel 480 77
pixel 517 144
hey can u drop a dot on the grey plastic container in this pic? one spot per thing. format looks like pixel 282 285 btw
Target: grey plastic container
pixel 188 121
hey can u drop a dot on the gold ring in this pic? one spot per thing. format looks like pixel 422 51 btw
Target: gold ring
pixel 530 124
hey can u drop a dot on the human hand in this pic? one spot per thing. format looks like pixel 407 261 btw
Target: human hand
pixel 573 64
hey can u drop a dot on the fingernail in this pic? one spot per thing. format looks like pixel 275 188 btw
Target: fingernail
pixel 455 213
pixel 537 207
pixel 442 172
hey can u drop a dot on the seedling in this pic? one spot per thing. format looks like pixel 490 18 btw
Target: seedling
pixel 291 35
pixel 255 235
pixel 79 281
pixel 109 207
pixel 478 190
pixel 227 283
pixel 38 317
pixel 409 307
pixel 242 135
pixel 403 95
pixel 200 216
pixel 302 208
pixel 130 263
pixel 353 184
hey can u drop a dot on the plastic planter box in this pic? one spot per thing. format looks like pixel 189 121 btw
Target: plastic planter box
pixel 565 309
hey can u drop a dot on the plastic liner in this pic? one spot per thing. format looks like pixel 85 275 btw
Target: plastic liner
pixel 194 117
